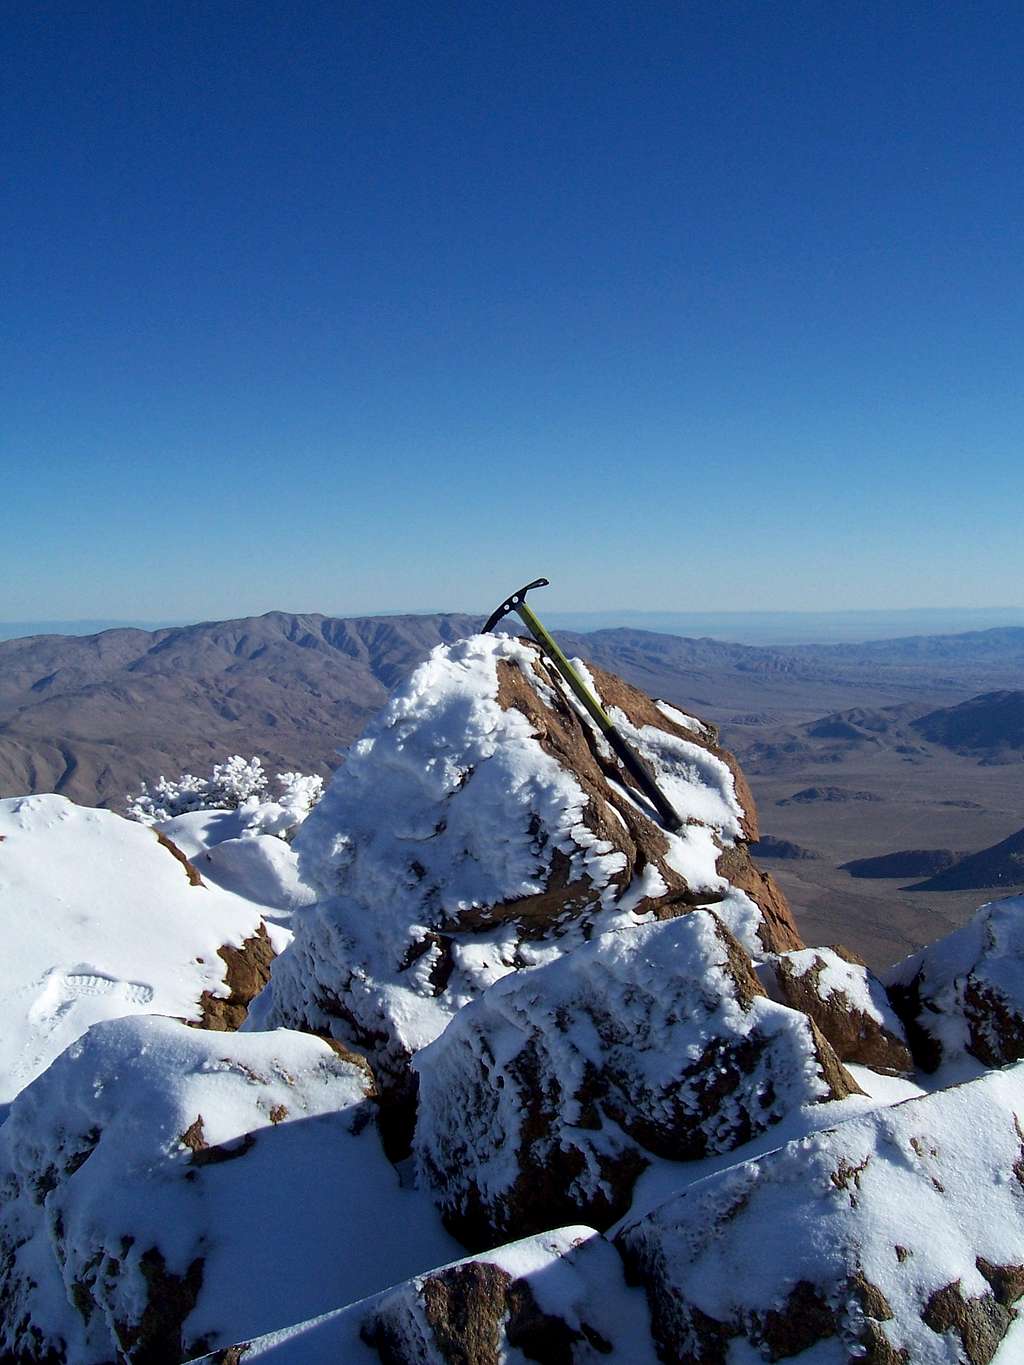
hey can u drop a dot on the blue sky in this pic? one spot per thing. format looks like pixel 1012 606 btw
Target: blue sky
pixel 367 306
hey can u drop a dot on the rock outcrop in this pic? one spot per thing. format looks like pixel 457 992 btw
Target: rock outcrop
pixel 559 1299
pixel 964 995
pixel 483 827
pixel 894 1238
pixel 848 1003
pixel 152 1160
pixel 551 1094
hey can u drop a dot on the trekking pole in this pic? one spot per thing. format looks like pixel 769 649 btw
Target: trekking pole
pixel 630 760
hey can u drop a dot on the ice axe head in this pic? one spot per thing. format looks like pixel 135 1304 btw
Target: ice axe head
pixel 512 603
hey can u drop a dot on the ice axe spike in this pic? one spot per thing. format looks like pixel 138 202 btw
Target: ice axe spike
pixel 631 761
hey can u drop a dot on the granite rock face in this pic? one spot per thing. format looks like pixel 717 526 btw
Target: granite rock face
pixel 846 1001
pixel 483 827
pixel 552 1093
pixel 894 1238
pixel 963 996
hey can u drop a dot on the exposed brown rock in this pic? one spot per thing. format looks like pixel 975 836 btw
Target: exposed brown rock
pixel 588 1116
pixel 877 1349
pixel 356 1058
pixel 192 1137
pixel 248 971
pixel 871 1299
pixel 980 1323
pixel 203 1154
pixel 804 1320
pixel 471 1314
pixel 155 1337
pixel 191 871
pixel 562 734
pixel 839 1081
pixel 996 1025
pixel 778 932
pixel 847 954
pixel 855 1035
pixel 1007 1281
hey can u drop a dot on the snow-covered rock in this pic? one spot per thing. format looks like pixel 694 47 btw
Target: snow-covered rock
pixel 98 919
pixel 845 1000
pixel 964 995
pixel 481 827
pixel 548 1096
pixel 896 1238
pixel 559 1297
pixel 164 1190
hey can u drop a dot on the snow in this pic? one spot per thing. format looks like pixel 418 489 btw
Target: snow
pixel 630 1020
pixel 262 869
pixel 449 805
pixel 859 990
pixel 252 1161
pixel 198 830
pixel 678 717
pixel 698 783
pixel 742 918
pixel 664 1179
pixel 288 1226
pixel 572 1272
pixel 984 958
pixel 98 921
pixel 935 1175
pixel 230 850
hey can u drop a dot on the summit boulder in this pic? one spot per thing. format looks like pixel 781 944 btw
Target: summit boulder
pixel 482 827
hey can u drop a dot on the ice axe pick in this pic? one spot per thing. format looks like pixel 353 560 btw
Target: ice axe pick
pixel 630 760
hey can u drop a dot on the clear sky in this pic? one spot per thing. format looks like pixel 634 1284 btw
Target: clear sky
pixel 360 306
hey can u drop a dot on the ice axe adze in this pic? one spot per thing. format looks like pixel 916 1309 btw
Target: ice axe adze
pixel 631 761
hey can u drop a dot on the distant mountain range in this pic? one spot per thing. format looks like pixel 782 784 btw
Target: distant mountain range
pixel 989 726
pixel 92 716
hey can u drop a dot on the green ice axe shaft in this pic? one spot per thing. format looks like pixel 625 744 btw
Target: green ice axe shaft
pixel 631 761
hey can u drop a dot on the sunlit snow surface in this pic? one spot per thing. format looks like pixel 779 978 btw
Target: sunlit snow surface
pixel 910 1196
pixel 97 921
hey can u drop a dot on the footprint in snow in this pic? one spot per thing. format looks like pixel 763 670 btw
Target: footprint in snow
pixel 63 988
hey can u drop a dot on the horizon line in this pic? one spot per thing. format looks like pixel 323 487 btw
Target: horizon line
pixel 112 622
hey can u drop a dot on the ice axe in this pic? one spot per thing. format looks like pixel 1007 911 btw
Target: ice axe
pixel 631 761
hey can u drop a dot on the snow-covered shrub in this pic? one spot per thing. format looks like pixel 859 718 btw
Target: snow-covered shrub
pixel 237 784
pixel 299 794
pixel 236 781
